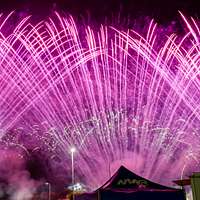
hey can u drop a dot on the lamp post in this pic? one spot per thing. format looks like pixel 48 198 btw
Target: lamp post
pixel 49 190
pixel 72 151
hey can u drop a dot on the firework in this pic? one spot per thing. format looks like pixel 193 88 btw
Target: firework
pixel 118 96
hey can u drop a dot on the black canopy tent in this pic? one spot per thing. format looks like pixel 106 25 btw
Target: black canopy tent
pixel 125 185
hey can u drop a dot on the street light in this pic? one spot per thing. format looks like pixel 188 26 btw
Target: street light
pixel 49 190
pixel 72 151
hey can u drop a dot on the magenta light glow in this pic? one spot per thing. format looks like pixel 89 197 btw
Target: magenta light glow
pixel 118 97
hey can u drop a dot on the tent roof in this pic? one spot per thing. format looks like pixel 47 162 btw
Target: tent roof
pixel 126 179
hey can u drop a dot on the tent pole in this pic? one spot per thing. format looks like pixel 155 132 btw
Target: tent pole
pixel 98 195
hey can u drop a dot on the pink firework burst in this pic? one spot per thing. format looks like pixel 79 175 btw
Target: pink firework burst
pixel 117 96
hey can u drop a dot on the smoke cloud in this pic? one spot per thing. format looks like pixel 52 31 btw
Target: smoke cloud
pixel 15 180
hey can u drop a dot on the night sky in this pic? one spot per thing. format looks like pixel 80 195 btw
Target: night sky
pixel 162 11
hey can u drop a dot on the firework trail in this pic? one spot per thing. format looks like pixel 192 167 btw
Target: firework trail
pixel 119 97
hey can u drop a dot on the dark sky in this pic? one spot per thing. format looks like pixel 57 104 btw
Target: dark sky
pixel 161 10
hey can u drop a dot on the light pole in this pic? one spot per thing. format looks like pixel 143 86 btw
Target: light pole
pixel 49 190
pixel 72 151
